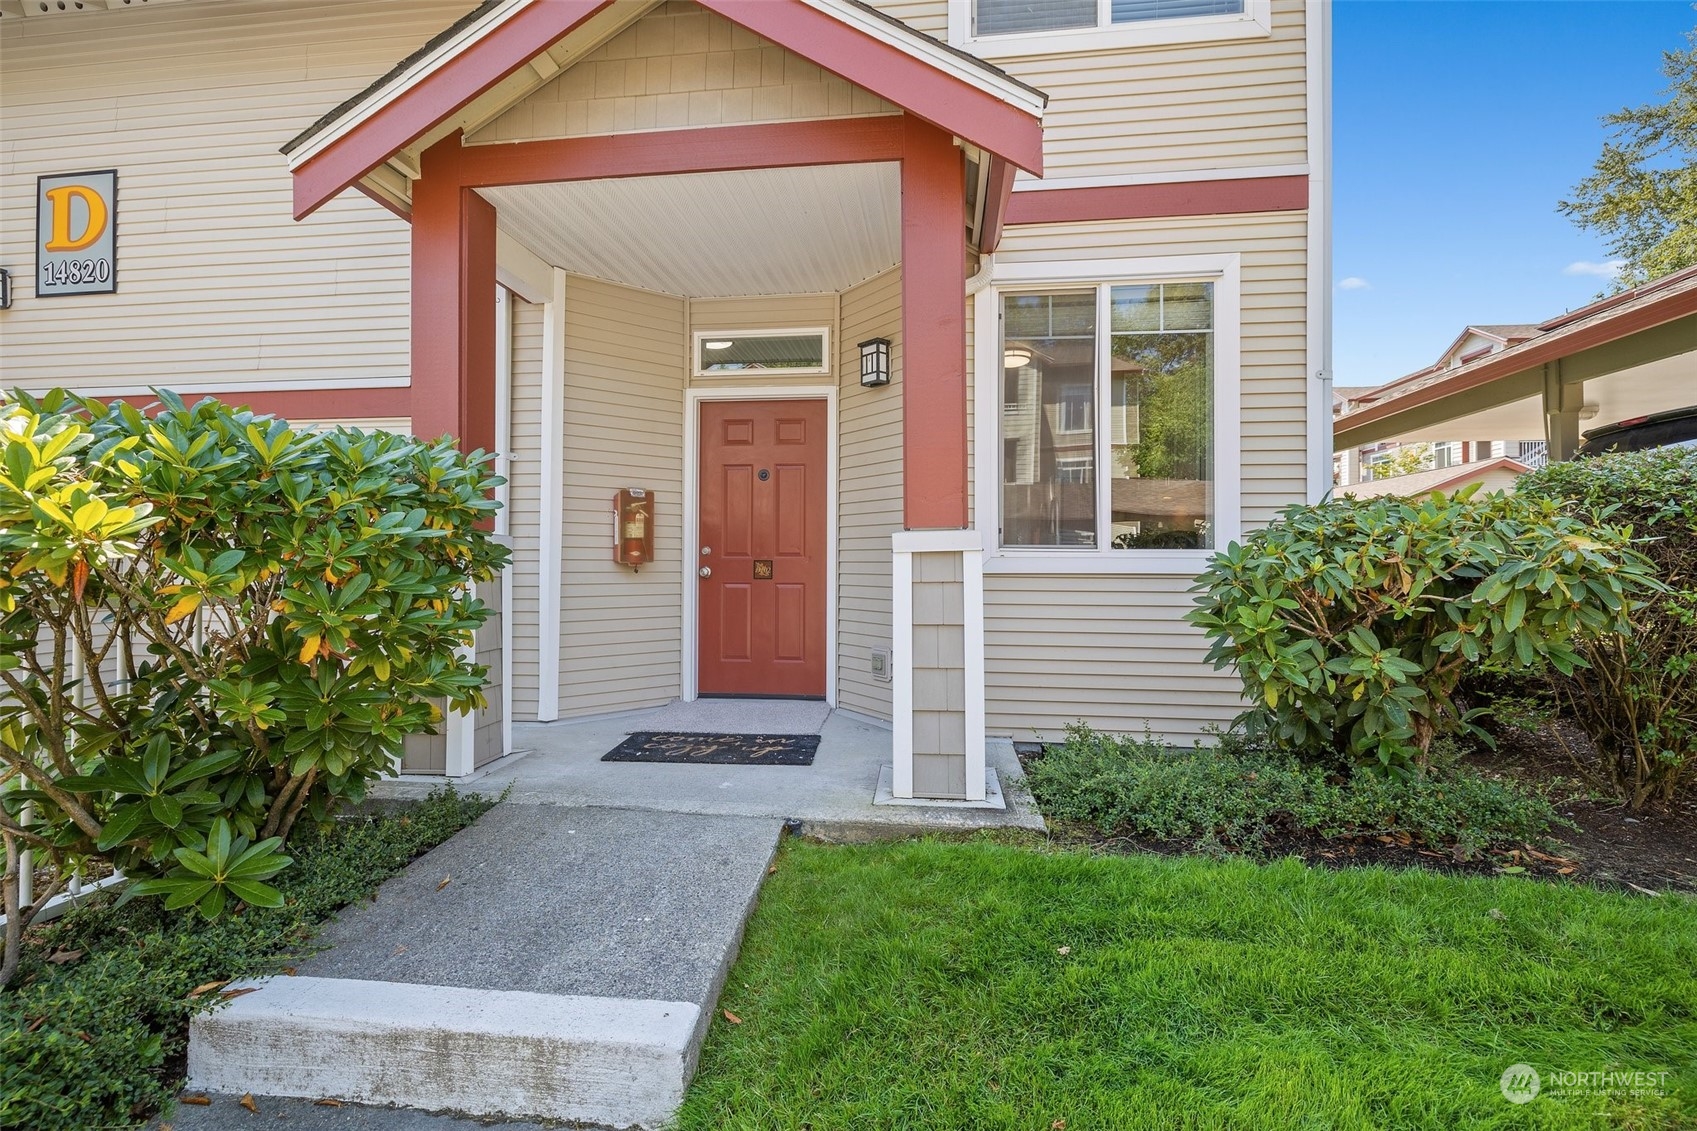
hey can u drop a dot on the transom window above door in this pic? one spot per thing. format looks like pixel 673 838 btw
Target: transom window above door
pixel 762 352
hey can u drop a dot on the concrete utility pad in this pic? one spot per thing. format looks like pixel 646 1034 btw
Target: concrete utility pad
pixel 601 902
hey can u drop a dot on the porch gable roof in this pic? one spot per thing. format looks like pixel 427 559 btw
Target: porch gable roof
pixel 501 50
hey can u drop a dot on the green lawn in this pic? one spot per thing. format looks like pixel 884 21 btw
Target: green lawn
pixel 924 985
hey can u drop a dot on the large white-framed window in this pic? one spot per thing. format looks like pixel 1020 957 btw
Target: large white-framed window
pixel 996 29
pixel 789 352
pixel 1115 388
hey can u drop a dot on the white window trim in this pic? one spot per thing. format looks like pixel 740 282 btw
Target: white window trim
pixel 1225 272
pixel 822 369
pixel 1255 22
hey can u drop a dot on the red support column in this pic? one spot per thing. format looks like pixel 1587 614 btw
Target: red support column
pixel 933 329
pixel 453 304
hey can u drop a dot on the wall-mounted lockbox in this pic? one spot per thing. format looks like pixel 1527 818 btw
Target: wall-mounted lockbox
pixel 633 527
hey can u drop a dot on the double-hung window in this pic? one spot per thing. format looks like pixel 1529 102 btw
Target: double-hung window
pixel 1109 416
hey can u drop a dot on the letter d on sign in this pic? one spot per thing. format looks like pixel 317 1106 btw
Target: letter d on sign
pixel 94 225
pixel 76 234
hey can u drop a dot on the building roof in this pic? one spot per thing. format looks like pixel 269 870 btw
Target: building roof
pixel 1437 479
pixel 1608 320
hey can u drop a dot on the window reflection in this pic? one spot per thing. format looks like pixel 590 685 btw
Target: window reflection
pixel 1049 419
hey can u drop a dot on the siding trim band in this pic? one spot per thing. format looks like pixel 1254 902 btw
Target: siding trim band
pixel 1141 202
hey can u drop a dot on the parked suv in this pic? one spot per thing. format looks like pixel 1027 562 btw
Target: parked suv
pixel 1659 430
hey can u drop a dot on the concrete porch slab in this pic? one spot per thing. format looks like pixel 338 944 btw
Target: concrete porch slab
pixel 833 798
pixel 738 716
pixel 993 796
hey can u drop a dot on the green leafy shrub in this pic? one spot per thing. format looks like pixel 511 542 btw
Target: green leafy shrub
pixel 1239 796
pixel 1637 697
pixel 211 623
pixel 93 1032
pixel 1351 623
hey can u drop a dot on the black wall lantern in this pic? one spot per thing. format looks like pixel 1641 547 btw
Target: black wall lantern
pixel 5 289
pixel 875 362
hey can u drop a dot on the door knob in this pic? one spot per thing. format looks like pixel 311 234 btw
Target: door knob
pixel 706 571
pixel 705 550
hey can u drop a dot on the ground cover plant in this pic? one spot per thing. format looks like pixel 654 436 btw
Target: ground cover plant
pixel 1352 623
pixel 93 1031
pixel 982 986
pixel 213 624
pixel 1636 696
pixel 1239 797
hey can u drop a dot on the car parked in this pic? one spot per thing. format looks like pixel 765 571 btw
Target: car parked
pixel 1659 430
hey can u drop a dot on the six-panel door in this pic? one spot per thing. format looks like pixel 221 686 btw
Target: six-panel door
pixel 762 564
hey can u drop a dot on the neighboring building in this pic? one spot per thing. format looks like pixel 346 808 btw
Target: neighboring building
pixel 652 245
pixel 1472 461
pixel 1624 357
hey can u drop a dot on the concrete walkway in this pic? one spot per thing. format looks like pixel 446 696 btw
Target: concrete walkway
pixel 561 959
pixel 548 962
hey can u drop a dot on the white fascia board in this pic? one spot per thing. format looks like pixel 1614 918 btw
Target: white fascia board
pixel 926 50
pixel 411 77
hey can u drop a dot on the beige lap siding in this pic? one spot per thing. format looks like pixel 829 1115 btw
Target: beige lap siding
pixel 869 491
pixel 680 67
pixel 1172 109
pixel 1112 651
pixel 1115 650
pixel 217 283
pixel 621 630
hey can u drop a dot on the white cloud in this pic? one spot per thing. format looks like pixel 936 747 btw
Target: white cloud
pixel 1608 270
pixel 1354 283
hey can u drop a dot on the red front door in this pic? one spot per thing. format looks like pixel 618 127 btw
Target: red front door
pixel 762 540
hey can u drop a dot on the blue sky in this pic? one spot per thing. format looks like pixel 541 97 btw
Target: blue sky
pixel 1457 127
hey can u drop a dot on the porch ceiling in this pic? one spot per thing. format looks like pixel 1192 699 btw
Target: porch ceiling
pixel 712 235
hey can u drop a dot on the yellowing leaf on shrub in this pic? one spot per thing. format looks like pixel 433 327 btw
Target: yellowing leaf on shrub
pixel 185 605
pixel 310 648
pixel 1272 694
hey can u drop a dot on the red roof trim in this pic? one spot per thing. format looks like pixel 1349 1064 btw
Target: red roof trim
pixel 998 193
pixel 305 404
pixel 827 141
pixel 914 85
pixel 1178 198
pixel 459 80
pixel 918 87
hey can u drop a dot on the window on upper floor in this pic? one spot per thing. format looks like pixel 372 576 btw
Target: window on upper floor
pixel 1003 28
pixel 1008 17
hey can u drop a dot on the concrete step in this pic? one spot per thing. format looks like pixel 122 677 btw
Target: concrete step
pixel 619 1062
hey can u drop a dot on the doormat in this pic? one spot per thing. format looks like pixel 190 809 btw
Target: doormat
pixel 717 749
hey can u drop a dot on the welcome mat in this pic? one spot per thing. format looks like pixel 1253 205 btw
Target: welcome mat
pixel 717 749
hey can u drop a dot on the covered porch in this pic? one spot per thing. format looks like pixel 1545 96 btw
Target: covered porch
pixel 663 295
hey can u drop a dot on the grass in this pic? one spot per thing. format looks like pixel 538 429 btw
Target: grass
pixel 982 986
pixel 93 1033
